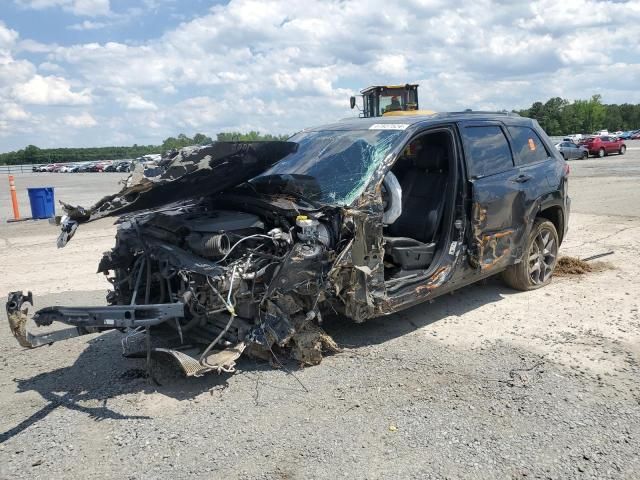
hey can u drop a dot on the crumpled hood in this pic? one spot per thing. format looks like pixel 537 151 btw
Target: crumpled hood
pixel 188 173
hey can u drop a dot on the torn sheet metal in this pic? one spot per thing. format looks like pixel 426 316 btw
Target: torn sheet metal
pixel 188 173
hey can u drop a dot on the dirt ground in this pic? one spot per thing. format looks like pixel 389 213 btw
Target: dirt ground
pixel 484 383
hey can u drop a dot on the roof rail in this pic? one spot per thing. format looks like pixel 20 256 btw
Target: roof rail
pixel 485 112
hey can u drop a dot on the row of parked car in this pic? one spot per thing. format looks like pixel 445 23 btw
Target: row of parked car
pixel 596 145
pixel 628 135
pixel 101 166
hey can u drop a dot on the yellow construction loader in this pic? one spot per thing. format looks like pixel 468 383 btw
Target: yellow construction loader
pixel 390 100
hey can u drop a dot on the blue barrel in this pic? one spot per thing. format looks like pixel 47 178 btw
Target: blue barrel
pixel 42 203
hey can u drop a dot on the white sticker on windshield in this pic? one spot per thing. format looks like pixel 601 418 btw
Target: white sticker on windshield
pixel 389 126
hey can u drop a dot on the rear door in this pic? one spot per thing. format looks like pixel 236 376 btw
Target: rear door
pixel 496 207
pixel 536 165
pixel 608 144
pixel 575 150
pixel 567 150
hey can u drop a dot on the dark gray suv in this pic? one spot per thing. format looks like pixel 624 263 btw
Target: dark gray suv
pixel 243 247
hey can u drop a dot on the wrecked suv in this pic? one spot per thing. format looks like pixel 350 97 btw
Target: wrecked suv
pixel 242 248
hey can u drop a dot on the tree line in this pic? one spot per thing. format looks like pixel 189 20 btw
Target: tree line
pixel 557 116
pixel 34 155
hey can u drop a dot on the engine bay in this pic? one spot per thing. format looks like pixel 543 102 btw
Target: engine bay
pixel 245 282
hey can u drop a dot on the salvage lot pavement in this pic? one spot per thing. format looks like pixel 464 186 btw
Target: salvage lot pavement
pixel 484 383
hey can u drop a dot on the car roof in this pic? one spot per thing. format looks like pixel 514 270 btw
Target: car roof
pixel 355 123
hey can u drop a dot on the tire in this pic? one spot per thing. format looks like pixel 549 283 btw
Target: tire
pixel 539 260
pixel 601 153
pixel 622 150
pixel 585 155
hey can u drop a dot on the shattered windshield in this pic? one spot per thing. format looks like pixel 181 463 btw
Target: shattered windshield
pixel 329 166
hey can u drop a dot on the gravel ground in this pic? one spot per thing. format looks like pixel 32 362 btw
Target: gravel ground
pixel 484 383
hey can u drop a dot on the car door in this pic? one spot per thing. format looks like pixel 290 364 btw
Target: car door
pixel 496 209
pixel 562 148
pixel 566 150
pixel 575 150
pixel 536 166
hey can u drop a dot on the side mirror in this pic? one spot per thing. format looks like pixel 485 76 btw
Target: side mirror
pixel 352 102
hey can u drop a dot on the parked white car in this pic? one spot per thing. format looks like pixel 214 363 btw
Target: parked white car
pixel 574 137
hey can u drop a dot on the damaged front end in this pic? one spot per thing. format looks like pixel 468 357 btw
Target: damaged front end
pixel 205 279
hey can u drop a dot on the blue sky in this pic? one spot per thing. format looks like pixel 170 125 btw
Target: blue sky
pixel 118 72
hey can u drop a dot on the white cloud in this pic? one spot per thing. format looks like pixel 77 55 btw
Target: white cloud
pixel 8 38
pixel 82 120
pixel 50 90
pixel 392 65
pixel 13 112
pixel 90 8
pixel 279 66
pixel 50 67
pixel 136 102
pixel 87 25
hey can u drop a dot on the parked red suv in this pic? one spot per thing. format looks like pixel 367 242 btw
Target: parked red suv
pixel 604 145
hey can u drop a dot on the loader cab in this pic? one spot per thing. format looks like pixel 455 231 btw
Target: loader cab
pixel 388 100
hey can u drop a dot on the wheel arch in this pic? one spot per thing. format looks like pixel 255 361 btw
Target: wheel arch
pixel 555 215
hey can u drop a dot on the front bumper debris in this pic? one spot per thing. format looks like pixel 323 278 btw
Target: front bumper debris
pixel 136 318
pixel 83 319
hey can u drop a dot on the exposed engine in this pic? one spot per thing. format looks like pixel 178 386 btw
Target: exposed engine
pixel 245 283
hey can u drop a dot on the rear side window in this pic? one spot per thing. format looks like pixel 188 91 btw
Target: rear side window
pixel 488 151
pixel 527 146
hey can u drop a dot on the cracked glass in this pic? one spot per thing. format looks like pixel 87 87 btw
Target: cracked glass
pixel 330 167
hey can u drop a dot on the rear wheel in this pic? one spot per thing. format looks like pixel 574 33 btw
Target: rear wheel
pixel 622 150
pixel 585 155
pixel 601 152
pixel 539 261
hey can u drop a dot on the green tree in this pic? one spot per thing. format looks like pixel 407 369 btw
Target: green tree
pixel 201 139
pixel 613 118
pixel 559 117
pixel 30 154
pixel 251 136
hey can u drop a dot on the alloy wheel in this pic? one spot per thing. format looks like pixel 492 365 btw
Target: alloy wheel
pixel 542 257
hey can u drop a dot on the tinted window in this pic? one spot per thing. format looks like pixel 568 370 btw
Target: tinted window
pixel 604 139
pixel 527 145
pixel 488 151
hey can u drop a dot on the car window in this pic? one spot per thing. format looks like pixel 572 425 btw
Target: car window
pixel 488 151
pixel 565 144
pixel 329 166
pixel 527 145
pixel 604 139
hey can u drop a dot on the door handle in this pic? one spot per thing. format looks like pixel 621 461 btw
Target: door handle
pixel 522 178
